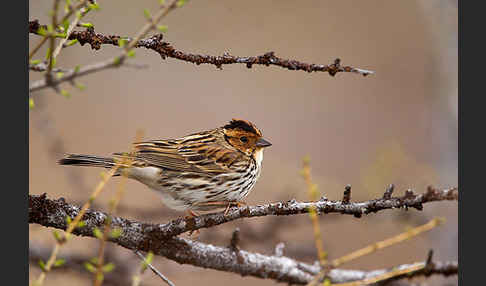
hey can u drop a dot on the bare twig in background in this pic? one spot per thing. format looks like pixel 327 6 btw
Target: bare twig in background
pixel 377 246
pixel 314 196
pixel 154 270
pixel 146 237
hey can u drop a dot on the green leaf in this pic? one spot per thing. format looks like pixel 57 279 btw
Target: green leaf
pixel 81 224
pixel 65 93
pixel 131 53
pixel 163 28
pixel 117 61
pixel 94 6
pixel 72 42
pixel 108 267
pixel 76 69
pixel 161 2
pixel 146 12
pixel 42 31
pixel 100 276
pixel 42 265
pixel 97 232
pixel 94 260
pixel 68 220
pixel 57 235
pixel 80 86
pixel 48 53
pixel 327 282
pixel 86 25
pixel 181 3
pixel 59 74
pixel 31 103
pixel 65 25
pixel 122 42
pixel 148 260
pixel 89 267
pixel 116 232
pixel 59 262
pixel 35 62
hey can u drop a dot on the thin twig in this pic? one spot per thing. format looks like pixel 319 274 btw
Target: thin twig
pixel 74 223
pixel 379 245
pixel 114 62
pixel 70 29
pixel 154 270
pixel 44 39
pixel 313 195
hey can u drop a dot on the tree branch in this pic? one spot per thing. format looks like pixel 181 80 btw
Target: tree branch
pixel 165 50
pixel 149 237
pixel 292 207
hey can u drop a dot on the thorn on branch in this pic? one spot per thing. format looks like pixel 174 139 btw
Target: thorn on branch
pixel 429 264
pixel 347 194
pixel 235 239
pixel 389 191
pixel 279 249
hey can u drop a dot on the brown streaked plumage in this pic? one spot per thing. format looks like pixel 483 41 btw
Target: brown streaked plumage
pixel 200 171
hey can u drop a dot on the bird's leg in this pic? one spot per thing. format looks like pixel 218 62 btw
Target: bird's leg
pixel 227 205
pixel 233 204
pixel 191 214
pixel 193 233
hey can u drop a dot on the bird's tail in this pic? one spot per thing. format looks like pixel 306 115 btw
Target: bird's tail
pixel 87 160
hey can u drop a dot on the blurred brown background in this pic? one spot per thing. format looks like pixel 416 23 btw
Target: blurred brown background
pixel 397 126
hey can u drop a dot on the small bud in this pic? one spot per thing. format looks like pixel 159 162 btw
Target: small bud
pixel 42 265
pixel 31 103
pixel 65 93
pixel 146 12
pixel 181 3
pixel 59 262
pixel 89 267
pixel 163 28
pixel 108 267
pixel 97 232
pixel 115 233
pixel 131 53
pixel 86 25
pixel 72 42
pixel 80 86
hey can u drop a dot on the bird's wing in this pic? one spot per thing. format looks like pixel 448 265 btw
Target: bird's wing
pixel 194 153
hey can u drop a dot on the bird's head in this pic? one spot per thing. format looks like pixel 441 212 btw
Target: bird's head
pixel 245 136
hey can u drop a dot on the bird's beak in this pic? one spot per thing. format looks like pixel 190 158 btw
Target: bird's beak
pixel 263 143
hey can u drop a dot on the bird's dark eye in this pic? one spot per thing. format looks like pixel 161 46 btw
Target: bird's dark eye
pixel 243 139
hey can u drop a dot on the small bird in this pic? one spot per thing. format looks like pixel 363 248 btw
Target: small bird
pixel 198 172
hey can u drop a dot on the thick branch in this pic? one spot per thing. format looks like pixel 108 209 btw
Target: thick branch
pixel 146 237
pixel 165 50
pixel 292 207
